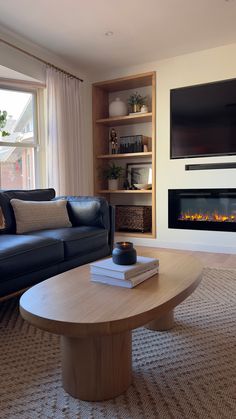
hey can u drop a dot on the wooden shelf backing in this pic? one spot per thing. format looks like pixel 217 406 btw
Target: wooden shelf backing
pixel 126 120
pixel 125 155
pixel 137 234
pixel 125 191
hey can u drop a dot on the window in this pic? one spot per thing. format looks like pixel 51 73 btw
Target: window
pixel 18 139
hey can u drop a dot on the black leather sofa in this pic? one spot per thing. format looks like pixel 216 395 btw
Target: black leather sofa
pixel 26 259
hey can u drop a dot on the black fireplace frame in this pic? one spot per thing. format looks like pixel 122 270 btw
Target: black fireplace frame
pixel 174 210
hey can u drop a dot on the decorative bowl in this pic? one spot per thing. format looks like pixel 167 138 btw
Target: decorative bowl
pixel 143 186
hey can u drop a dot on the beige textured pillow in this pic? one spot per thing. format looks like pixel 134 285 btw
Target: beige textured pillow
pixel 39 215
pixel 2 221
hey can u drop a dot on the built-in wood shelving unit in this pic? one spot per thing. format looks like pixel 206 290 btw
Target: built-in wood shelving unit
pixel 101 126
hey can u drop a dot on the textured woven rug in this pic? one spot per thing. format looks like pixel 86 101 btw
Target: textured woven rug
pixel 188 372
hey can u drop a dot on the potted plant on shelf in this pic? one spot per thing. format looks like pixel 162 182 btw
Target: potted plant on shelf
pixel 136 101
pixel 113 173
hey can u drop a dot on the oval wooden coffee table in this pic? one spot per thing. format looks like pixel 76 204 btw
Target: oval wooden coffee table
pixel 95 321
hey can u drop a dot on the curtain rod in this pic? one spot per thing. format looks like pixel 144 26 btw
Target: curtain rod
pixel 40 59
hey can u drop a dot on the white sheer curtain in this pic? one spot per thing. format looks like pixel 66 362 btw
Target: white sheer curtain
pixel 66 147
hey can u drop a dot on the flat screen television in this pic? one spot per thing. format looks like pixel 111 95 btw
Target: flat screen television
pixel 203 120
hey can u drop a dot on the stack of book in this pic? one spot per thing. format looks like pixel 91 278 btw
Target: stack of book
pixel 107 272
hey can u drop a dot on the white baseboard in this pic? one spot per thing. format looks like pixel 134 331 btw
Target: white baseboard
pixel 200 247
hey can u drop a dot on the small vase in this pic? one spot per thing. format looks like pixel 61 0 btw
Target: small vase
pixel 117 108
pixel 113 184
pixel 136 108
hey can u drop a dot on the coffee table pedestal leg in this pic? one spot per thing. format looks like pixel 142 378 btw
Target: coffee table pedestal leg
pixel 97 368
pixel 164 322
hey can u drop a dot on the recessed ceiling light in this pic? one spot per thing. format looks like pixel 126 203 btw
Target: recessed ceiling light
pixel 109 33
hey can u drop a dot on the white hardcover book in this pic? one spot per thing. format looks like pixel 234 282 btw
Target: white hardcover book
pixel 127 283
pixel 108 268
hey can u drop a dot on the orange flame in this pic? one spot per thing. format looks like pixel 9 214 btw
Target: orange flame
pixel 201 216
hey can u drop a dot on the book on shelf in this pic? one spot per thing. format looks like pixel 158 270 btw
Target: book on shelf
pixel 126 283
pixel 133 144
pixel 108 268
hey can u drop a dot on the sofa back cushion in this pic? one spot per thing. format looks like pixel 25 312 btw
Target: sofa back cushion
pixel 33 216
pixel 25 195
pixel 88 211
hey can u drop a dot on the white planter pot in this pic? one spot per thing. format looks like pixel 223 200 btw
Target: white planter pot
pixel 113 184
pixel 117 108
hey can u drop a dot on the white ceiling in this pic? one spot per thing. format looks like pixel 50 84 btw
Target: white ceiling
pixel 144 30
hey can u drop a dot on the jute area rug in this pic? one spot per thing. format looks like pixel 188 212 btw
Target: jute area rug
pixel 188 372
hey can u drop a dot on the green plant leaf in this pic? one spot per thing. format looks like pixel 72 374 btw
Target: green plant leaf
pixel 137 99
pixel 113 172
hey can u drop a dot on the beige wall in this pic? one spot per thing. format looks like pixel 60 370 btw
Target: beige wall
pixel 201 67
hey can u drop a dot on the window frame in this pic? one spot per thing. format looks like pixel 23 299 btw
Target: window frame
pixel 37 90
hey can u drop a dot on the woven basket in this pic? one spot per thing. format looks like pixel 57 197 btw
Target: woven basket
pixel 133 218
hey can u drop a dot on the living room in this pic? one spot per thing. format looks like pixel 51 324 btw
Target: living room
pixel 185 44
pixel 198 67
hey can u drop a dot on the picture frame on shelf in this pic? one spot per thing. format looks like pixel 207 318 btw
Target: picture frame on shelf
pixel 139 175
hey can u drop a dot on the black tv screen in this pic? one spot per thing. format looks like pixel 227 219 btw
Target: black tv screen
pixel 203 120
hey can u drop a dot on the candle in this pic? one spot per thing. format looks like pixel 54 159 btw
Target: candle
pixel 125 244
pixel 124 253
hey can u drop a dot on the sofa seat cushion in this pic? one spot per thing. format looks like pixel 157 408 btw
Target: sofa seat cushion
pixel 26 253
pixel 77 240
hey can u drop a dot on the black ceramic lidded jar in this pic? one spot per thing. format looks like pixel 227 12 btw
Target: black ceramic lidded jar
pixel 124 253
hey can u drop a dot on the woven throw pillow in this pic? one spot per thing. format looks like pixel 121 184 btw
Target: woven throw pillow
pixel 40 215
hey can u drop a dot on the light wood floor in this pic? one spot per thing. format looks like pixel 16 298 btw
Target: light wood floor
pixel 216 260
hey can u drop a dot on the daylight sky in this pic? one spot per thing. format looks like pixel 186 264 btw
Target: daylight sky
pixel 13 102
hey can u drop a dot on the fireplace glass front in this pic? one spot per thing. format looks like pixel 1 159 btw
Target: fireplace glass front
pixel 202 209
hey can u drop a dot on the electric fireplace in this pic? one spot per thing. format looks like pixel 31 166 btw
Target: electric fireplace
pixel 202 209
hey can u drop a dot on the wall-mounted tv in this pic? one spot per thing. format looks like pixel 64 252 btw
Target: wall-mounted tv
pixel 203 120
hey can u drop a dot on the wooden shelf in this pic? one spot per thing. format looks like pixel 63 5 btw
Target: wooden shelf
pixel 125 191
pixel 124 83
pixel 125 155
pixel 126 120
pixel 137 234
